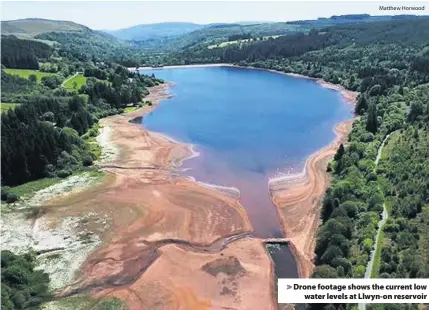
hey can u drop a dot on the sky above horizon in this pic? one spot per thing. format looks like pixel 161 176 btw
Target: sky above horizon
pixel 121 14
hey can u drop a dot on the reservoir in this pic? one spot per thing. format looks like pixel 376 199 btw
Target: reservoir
pixel 248 126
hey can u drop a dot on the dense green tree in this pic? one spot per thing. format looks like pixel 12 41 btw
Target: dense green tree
pixel 22 286
pixel 371 122
pixel 340 152
pixel 324 272
pixel 51 81
pixel 361 104
pixel 22 54
pixel 33 78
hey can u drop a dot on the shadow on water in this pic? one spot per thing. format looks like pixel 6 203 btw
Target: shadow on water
pixel 137 120
pixel 283 260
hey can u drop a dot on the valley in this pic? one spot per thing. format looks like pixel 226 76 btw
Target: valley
pixel 188 166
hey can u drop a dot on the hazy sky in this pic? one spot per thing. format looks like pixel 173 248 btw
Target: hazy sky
pixel 121 14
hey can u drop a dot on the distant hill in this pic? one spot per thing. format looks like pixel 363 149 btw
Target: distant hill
pixel 30 27
pixel 213 33
pixel 151 31
pixel 351 19
pixel 79 41
pixel 175 36
pixel 167 30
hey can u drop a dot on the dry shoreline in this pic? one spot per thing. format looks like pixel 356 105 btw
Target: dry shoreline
pixel 166 230
pixel 181 66
pixel 298 197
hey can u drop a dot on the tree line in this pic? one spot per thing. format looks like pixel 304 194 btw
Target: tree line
pixel 23 54
pixel 386 62
pixel 42 137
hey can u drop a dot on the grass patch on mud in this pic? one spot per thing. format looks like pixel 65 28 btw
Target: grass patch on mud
pixel 29 189
pixel 91 142
pixel 83 302
pixel 131 109
pixel 112 303
pixel 93 147
pixel 33 186
pixel 77 302
pixel 95 173
pixel 135 108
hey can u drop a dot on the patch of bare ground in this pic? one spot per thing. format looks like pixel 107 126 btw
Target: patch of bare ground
pixel 177 280
pixel 229 265
pixel 163 229
pixel 60 239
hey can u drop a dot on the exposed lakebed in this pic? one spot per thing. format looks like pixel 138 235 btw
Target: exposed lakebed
pixel 248 126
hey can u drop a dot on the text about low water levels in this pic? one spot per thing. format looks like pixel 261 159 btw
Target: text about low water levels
pixel 377 291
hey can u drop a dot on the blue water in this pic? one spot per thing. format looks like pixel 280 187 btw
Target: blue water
pixel 248 125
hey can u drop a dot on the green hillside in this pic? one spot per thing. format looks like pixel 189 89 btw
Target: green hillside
pixel 217 34
pixel 387 62
pixel 25 73
pixel 164 37
pixel 76 40
pixel 30 27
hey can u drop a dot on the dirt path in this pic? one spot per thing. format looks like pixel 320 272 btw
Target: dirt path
pixel 69 78
pixel 165 232
pixel 384 217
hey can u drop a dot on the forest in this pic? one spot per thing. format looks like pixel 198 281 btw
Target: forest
pixel 387 63
pixel 44 135
pixel 23 54
pixel 22 287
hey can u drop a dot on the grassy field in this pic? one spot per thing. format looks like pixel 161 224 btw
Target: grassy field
pixel 7 106
pixel 111 303
pixel 226 43
pixel 25 73
pixel 80 81
pixel 390 145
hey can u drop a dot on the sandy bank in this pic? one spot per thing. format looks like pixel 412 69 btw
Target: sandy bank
pixel 298 197
pixel 164 228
